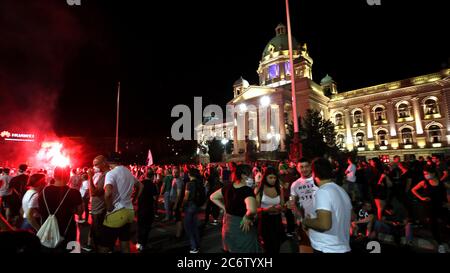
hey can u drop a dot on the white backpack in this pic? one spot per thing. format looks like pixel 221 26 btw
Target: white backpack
pixel 49 231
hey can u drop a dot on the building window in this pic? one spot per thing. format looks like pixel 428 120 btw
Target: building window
pixel 360 139
pixel 340 141
pixel 382 139
pixel 287 68
pixel 431 107
pixel 357 116
pixel 274 71
pixel 338 119
pixel 379 114
pixel 403 110
pixel 434 133
pixel 407 136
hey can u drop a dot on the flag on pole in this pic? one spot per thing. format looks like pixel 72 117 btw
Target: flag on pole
pixel 149 158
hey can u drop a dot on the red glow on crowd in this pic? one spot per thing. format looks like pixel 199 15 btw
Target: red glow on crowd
pixel 53 155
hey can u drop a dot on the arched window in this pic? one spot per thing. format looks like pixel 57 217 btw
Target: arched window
pixel 360 139
pixel 357 116
pixel 407 136
pixel 379 114
pixel 431 107
pixel 434 133
pixel 403 110
pixel 382 137
pixel 340 141
pixel 338 119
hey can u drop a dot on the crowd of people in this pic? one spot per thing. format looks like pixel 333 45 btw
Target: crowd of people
pixel 322 204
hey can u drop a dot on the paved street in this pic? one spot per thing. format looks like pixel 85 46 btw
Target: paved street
pixel 162 240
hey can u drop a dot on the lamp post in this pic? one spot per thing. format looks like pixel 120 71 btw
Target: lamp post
pixel 224 143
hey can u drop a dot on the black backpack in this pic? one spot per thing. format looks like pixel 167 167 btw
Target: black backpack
pixel 200 194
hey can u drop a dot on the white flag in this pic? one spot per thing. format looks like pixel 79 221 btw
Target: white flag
pixel 149 158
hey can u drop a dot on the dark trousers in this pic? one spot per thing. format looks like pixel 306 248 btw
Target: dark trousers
pixel 191 225
pixel 290 220
pixel 211 209
pixel 271 232
pixel 143 233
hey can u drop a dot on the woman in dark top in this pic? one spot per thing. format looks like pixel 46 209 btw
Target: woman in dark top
pixel 433 196
pixel 378 182
pixel 239 235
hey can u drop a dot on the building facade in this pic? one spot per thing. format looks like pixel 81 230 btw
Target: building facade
pixel 406 117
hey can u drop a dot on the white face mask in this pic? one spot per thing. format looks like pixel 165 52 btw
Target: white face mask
pixel 96 169
pixel 250 182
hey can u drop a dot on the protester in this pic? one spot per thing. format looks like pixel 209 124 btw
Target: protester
pixel 30 206
pixel 119 184
pixel 270 203
pixel 146 211
pixel 329 231
pixel 63 202
pixel 237 200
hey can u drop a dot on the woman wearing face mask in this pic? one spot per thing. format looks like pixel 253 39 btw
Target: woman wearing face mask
pixel 270 203
pixel 433 194
pixel 237 200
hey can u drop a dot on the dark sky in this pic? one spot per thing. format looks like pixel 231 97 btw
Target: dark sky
pixel 59 65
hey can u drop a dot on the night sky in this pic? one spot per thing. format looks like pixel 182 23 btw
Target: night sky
pixel 59 64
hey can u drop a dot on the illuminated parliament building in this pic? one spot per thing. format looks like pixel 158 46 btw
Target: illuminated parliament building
pixel 405 117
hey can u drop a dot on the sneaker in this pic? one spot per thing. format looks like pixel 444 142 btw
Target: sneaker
pixel 215 223
pixel 82 221
pixel 87 248
pixel 194 251
pixel 441 249
pixel 290 234
pixel 139 247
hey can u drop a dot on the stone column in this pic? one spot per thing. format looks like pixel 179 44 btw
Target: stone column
pixel 417 117
pixel 348 129
pixel 235 135
pixel 391 118
pixel 368 121
pixel 282 127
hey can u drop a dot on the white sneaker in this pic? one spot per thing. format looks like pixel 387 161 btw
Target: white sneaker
pixel 441 249
pixel 82 221
pixel 139 247
pixel 193 251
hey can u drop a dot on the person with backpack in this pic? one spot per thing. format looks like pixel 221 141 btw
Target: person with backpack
pixel 194 198
pixel 62 203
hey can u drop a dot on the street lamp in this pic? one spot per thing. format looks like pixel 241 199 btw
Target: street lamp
pixel 265 101
pixel 224 143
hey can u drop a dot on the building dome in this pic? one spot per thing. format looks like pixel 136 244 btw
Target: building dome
pixel 241 81
pixel 326 79
pixel 280 42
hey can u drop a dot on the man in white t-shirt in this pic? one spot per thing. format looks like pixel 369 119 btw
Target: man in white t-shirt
pixel 119 184
pixel 350 178
pixel 303 191
pixel 329 231
pixel 30 203
pixel 304 188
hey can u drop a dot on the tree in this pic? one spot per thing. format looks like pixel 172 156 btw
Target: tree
pixel 317 135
